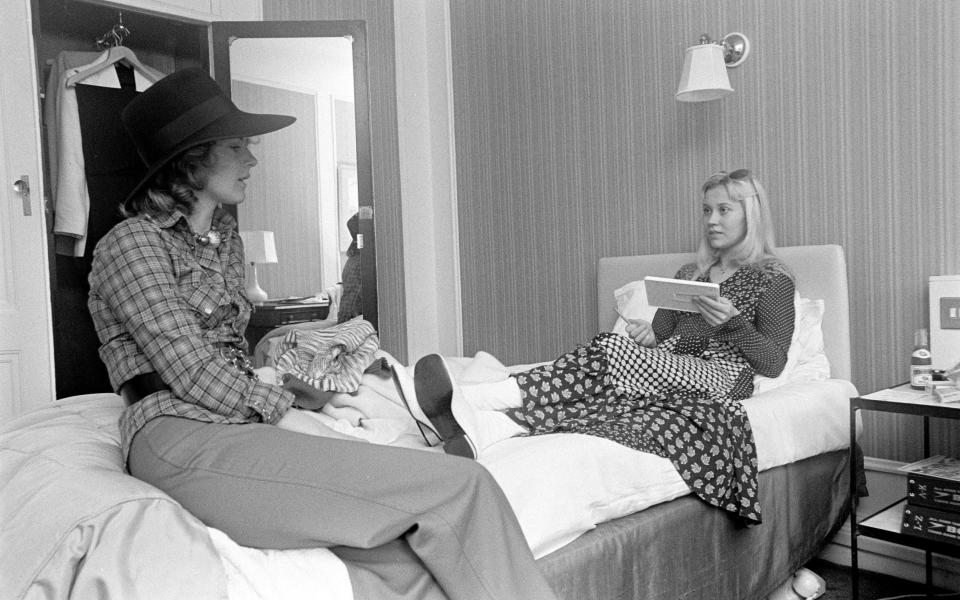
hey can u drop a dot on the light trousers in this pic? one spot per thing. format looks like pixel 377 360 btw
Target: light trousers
pixel 407 523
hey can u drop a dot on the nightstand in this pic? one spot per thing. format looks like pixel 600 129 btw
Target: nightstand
pixel 275 313
pixel 885 524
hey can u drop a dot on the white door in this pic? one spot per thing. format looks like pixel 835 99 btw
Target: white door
pixel 26 333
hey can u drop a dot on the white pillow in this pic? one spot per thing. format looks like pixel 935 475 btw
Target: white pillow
pixel 806 360
pixel 631 302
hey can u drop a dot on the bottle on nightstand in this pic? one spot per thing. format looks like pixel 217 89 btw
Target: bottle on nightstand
pixel 921 368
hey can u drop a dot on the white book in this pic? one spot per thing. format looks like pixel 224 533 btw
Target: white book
pixel 677 294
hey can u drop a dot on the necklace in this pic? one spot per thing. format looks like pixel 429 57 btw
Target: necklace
pixel 724 270
pixel 210 238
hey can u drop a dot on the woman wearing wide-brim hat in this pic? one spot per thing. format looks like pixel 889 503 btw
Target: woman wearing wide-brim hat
pixel 168 302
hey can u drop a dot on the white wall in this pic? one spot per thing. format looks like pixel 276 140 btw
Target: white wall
pixel 428 178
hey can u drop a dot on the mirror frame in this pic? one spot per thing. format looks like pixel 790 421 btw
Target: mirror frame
pixel 223 33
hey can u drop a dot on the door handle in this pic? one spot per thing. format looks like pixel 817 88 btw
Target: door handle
pixel 22 187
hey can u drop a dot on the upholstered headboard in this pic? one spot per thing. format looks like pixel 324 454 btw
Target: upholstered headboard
pixel 821 273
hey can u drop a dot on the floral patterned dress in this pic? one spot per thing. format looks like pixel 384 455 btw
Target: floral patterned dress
pixel 681 399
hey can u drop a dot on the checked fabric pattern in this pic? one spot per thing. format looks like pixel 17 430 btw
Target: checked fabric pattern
pixel 680 400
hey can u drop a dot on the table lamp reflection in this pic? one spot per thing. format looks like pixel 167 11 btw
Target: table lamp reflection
pixel 258 248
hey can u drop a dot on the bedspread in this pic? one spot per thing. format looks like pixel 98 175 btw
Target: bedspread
pixel 75 525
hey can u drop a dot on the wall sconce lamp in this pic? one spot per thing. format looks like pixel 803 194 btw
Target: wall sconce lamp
pixel 258 247
pixel 704 75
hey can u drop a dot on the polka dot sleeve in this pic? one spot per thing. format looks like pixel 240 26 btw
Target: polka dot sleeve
pixel 765 342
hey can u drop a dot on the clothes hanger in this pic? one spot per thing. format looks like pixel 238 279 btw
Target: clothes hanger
pixel 116 53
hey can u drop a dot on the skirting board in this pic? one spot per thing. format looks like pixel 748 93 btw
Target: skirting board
pixel 885 484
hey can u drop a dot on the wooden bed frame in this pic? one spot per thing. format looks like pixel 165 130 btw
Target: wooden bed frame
pixel 685 549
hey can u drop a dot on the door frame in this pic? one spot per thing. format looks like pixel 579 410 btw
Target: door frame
pixel 26 326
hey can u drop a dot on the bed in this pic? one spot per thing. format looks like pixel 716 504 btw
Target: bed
pixel 683 549
pixel 603 520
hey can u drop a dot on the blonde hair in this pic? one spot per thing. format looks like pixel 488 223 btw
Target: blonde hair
pixel 757 244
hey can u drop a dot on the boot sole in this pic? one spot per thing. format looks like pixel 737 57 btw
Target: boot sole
pixel 435 396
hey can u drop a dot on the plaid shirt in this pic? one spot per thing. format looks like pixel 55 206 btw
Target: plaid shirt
pixel 162 302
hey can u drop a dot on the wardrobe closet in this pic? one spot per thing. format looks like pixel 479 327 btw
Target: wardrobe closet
pixel 139 46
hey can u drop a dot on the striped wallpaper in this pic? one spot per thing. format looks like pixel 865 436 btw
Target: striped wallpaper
pixel 570 146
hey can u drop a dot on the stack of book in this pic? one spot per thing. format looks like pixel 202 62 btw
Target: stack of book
pixel 933 499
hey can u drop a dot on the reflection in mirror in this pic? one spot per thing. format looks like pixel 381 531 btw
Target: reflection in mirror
pixel 304 188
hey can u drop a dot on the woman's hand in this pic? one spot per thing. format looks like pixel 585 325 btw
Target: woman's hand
pixel 302 421
pixel 715 311
pixel 641 332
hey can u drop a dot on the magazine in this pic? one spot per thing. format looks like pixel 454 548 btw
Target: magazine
pixel 943 467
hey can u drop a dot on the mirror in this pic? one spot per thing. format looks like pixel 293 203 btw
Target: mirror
pixel 314 175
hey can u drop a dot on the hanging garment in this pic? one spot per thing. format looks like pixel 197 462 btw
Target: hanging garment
pixel 111 166
pixel 71 200
pixel 66 60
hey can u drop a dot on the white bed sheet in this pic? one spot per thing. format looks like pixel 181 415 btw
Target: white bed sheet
pixel 563 485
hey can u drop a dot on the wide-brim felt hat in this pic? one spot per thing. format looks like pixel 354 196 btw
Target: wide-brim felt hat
pixel 182 110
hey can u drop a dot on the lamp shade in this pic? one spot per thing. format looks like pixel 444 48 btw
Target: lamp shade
pixel 704 75
pixel 258 247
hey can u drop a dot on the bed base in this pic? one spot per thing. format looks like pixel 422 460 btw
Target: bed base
pixel 684 549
